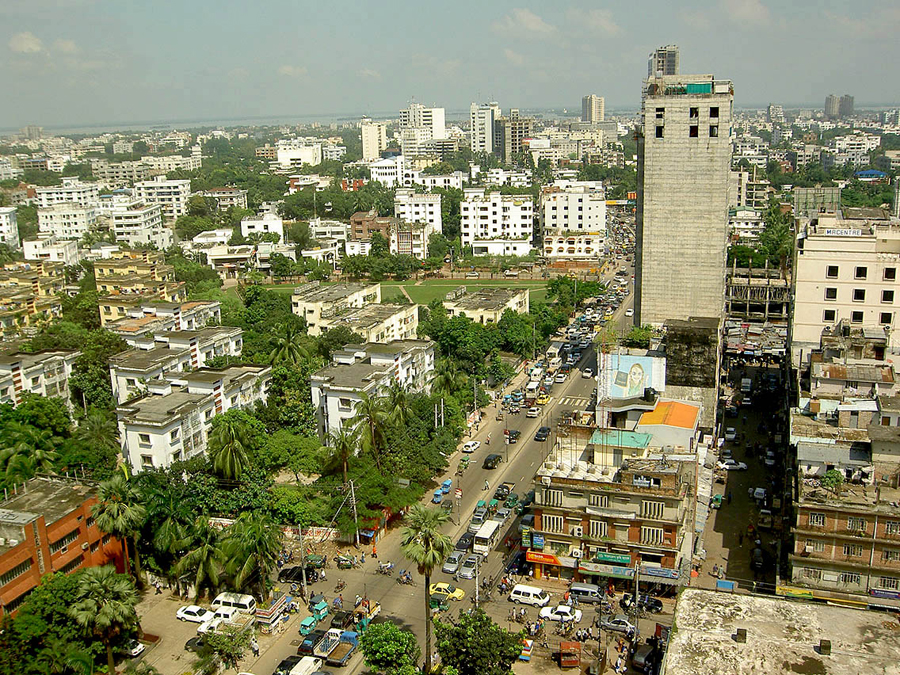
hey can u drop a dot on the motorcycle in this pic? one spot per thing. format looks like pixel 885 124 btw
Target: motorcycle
pixel 405 578
pixel 341 585
pixel 385 568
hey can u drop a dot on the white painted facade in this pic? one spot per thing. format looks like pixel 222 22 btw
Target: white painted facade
pixel 268 223
pixel 139 224
pixel 387 171
pixel 505 220
pixel 374 139
pixel 417 207
pixel 52 249
pixel 481 125
pixel 9 227
pixel 71 191
pixel 67 220
pixel 44 373
pixel 172 195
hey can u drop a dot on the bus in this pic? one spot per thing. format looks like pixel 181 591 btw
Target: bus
pixel 486 538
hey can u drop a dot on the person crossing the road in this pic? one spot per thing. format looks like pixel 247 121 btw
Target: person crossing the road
pixel 487 486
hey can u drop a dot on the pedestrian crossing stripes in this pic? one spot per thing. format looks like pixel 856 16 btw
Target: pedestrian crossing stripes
pixel 573 400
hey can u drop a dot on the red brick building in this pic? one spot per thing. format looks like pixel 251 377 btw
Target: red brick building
pixel 364 223
pixel 45 527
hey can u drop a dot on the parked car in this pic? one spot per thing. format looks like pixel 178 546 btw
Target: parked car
pixel 647 602
pixel 560 377
pixel 452 561
pixel 310 641
pixel 341 619
pixel 561 613
pixel 194 614
pixel 587 373
pixel 467 568
pixel 770 458
pixel 527 521
pixel 502 515
pixel 730 434
pixel 287 665
pixel 731 465
pixel 471 446
pixel 135 648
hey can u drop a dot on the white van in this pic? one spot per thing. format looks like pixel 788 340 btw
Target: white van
pixel 587 593
pixel 307 666
pixel 529 595
pixel 227 613
pixel 239 601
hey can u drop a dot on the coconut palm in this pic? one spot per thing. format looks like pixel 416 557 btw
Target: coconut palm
pixel 447 379
pixel 251 547
pixel 204 558
pixel 369 421
pixel 104 606
pixel 397 404
pixel 171 521
pixel 99 430
pixel 228 444
pixel 340 446
pixel 423 543
pixel 28 450
pixel 289 346
pixel 120 511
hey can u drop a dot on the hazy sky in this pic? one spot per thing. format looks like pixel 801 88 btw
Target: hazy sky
pixel 74 62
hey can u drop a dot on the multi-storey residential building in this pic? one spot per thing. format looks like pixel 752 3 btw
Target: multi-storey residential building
pixel 43 373
pixel 486 305
pixel 573 220
pixel 375 322
pixel 67 221
pixel 267 152
pixel 745 225
pixel 317 303
pixel 748 189
pixel 510 134
pixel 140 224
pixel 171 422
pixel 775 114
pixel 131 278
pixel 415 207
pixel 363 224
pixel 120 173
pixel 295 152
pixel 417 116
pixel 8 171
pixel 29 294
pixel 684 163
pixel 72 191
pixel 411 239
pixel 845 106
pixel 845 267
pixel 227 197
pixel 52 249
pixel 512 178
pixel 172 195
pixel 151 318
pixel 320 228
pixel 176 351
pixel 374 139
pixel 889 162
pixel 496 224
pixel 832 107
pixel 267 223
pixel 368 370
pixel 48 527
pixel 9 228
pixel 387 171
pixel 593 109
pixel 167 163
pixel 481 125
pixel 663 61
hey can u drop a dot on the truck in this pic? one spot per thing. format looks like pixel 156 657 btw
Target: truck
pixel 342 652
pixel 307 666
pixel 328 643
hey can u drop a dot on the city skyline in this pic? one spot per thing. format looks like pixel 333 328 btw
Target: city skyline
pixel 123 65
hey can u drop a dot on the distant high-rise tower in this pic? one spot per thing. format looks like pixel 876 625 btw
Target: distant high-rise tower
pixel 684 164
pixel 663 61
pixel 509 134
pixel 832 107
pixel 775 114
pixel 593 109
pixel 374 139
pixel 32 132
pixel 845 106
pixel 481 119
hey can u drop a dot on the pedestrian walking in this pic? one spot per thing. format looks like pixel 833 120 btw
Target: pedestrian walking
pixel 374 551
pixel 729 496
pixel 254 647
pixel 158 587
pixel 323 574
pixel 487 486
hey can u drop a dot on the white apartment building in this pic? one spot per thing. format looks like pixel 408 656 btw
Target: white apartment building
pixel 417 207
pixel 139 224
pixel 172 195
pixel 8 171
pixel 317 304
pixel 268 223
pixel 387 171
pixel 67 220
pixel 375 322
pixel 52 249
pixel 219 237
pixel 320 228
pixel 495 224
pixel 167 163
pixel 153 318
pixel 9 227
pixel 845 268
pixel 71 191
pixel 334 153
pixel 487 305
pixel 512 178
pixel 172 421
pixel 295 152
pixel 418 116
pixel 481 124
pixel 43 373
pixel 374 139
pixel 412 177
pixel 411 239
pixel 573 206
pixel 745 225
pixel 593 109
pixel 368 369
pixel 227 197
pixel 154 357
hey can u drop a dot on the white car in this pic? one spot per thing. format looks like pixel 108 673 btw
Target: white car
pixel 731 465
pixel 561 613
pixel 533 412
pixel 135 649
pixel 210 626
pixel 194 613
pixel 770 458
pixel 618 623
pixel 471 446
pixel 587 373
pixel 560 378
pixel 629 312
pixel 730 434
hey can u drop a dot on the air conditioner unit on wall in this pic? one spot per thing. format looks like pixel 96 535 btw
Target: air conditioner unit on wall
pixel 545 480
pixel 578 531
pixel 576 553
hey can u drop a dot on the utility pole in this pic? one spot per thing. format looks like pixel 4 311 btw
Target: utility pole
pixel 477 566
pixel 302 561
pixel 355 516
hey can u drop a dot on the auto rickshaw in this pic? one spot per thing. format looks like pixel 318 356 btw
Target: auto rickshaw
pixel 715 502
pixel 463 465
pixel 307 625
pixel 316 561
pixel 344 562
pixel 438 496
pixel 481 504
pixel 438 603
pixel 511 501
pixel 446 485
pixel 320 610
pixel 493 505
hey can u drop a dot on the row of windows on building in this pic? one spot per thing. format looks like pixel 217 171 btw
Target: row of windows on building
pixel 861 272
pixel 853 550
pixel 853 578
pixel 855 524
pixel 599 529
pixel 857 316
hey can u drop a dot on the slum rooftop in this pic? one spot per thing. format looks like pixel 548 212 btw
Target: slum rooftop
pixel 783 636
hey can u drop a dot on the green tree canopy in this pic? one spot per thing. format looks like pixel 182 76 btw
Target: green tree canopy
pixel 475 645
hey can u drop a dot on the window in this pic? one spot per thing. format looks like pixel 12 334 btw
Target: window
pixel 892 583
pixel 660 113
pixel 856 524
pixel 890 554
pixel 144 439
pixel 886 318
pixel 652 535
pixel 831 271
pixel 60 544
pixel 147 460
pixel 831 294
pixel 74 564
pixel 89 522
pixel 815 545
pixel 713 130
pixel 861 273
pixel 208 415
pixel 659 132
pixel 812 573
pixel 829 316
pixel 817 519
pixel 852 550
pixel 10 607
pixel 695 112
pixel 652 509
pixel 849 578
pixel 890 273
pixel 15 572
pixel 887 297
pixel 553 523
pixel 694 131
pixel 892 527
pixel 601 501
pixel 553 497
pixel 173 435
pixel 714 111
pixel 859 295
pixel 598 529
pixel 856 317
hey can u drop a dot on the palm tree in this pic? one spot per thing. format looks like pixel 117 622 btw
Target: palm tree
pixel 104 606
pixel 447 379
pixel 340 446
pixel 120 511
pixel 289 346
pixel 28 450
pixel 252 546
pixel 204 557
pixel 369 421
pixel 423 543
pixel 228 445
pixel 397 404
pixel 98 430
pixel 80 661
pixel 171 519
